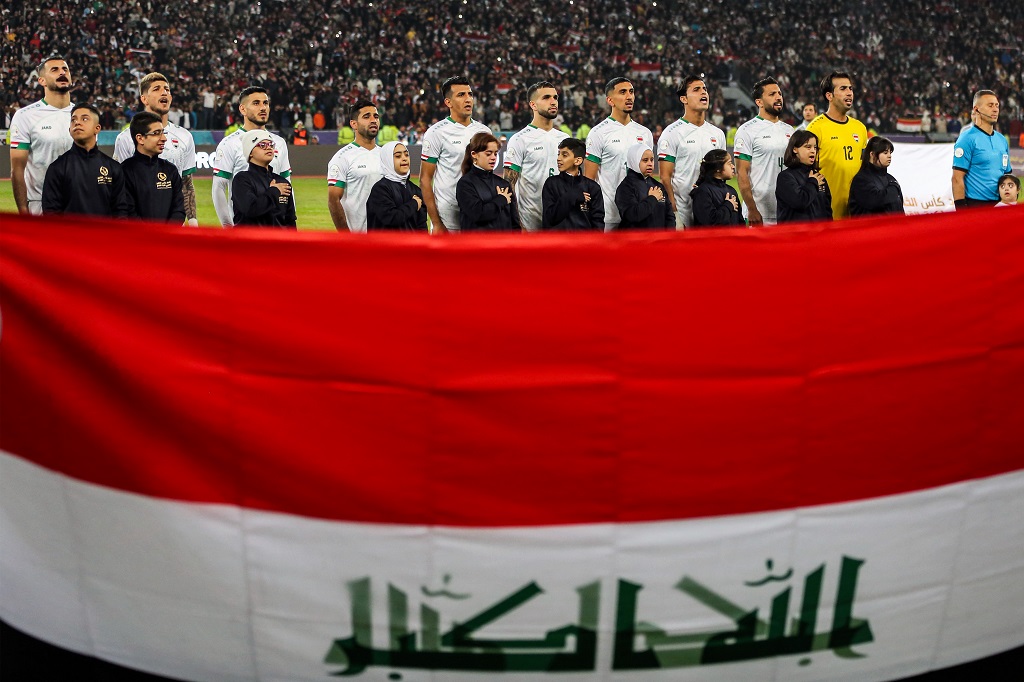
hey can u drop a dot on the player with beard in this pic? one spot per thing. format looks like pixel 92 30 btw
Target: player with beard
pixel 254 105
pixel 681 148
pixel 40 133
pixel 759 151
pixel 180 148
pixel 609 142
pixel 841 140
pixel 354 170
pixel 532 155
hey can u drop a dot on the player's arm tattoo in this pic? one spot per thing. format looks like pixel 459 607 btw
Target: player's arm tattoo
pixel 511 177
pixel 188 193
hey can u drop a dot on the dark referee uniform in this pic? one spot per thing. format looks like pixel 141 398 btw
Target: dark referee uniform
pixel 85 182
pixel 153 189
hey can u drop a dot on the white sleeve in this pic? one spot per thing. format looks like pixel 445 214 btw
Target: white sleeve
pixel 595 149
pixel 429 151
pixel 286 164
pixel 122 146
pixel 221 201
pixel 188 159
pixel 514 154
pixel 743 145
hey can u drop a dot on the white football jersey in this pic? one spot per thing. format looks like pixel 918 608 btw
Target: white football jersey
pixel 45 131
pixel 607 144
pixel 763 144
pixel 444 144
pixel 685 145
pixel 179 150
pixel 533 153
pixel 356 170
pixel 229 161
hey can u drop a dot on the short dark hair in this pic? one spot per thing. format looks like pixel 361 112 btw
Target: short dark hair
pixel 252 90
pixel 357 106
pixel 713 162
pixel 1003 178
pixel 575 146
pixel 141 122
pixel 449 85
pixel 90 107
pixel 681 92
pixel 537 86
pixel 826 82
pixel 981 93
pixel 757 92
pixel 477 143
pixel 876 145
pixel 798 139
pixel 610 85
pixel 51 58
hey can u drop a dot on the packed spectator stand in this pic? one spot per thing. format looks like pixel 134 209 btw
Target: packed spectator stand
pixel 910 59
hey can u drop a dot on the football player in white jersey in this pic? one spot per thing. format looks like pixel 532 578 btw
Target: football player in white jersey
pixel 608 143
pixel 759 151
pixel 40 133
pixel 354 170
pixel 254 105
pixel 180 149
pixel 444 147
pixel 532 155
pixel 682 147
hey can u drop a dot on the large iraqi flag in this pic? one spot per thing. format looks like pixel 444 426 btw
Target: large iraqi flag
pixel 781 454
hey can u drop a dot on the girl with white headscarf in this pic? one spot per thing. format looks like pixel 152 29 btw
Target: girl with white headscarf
pixel 640 198
pixel 395 203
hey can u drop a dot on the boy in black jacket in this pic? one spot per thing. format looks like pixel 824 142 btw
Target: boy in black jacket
pixel 152 185
pixel 259 196
pixel 83 179
pixel 571 200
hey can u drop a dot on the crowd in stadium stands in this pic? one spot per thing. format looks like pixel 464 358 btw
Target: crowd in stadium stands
pixel 910 58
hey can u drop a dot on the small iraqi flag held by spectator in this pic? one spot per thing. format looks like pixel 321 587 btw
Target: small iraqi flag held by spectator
pixel 908 124
pixel 638 69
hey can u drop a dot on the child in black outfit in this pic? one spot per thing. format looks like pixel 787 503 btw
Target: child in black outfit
pixel 259 196
pixel 716 204
pixel 639 197
pixel 801 191
pixel 394 202
pixel 572 201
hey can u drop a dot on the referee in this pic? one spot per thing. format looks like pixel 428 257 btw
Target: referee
pixel 981 155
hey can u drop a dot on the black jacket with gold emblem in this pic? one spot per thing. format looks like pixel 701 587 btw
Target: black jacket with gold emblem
pixel 153 189
pixel 85 182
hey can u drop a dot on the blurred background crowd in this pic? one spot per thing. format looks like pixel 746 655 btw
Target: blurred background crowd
pixel 910 59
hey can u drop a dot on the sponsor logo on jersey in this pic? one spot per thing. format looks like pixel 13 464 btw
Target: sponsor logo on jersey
pixel 539 149
pixel 46 128
pixel 362 165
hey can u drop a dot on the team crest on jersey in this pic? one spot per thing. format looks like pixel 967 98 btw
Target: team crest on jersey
pixel 714 141
pixel 639 138
pixel 162 181
pixel 104 178
pixel 856 138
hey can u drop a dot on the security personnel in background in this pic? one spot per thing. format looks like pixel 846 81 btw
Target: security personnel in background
pixel 152 185
pixel 83 179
